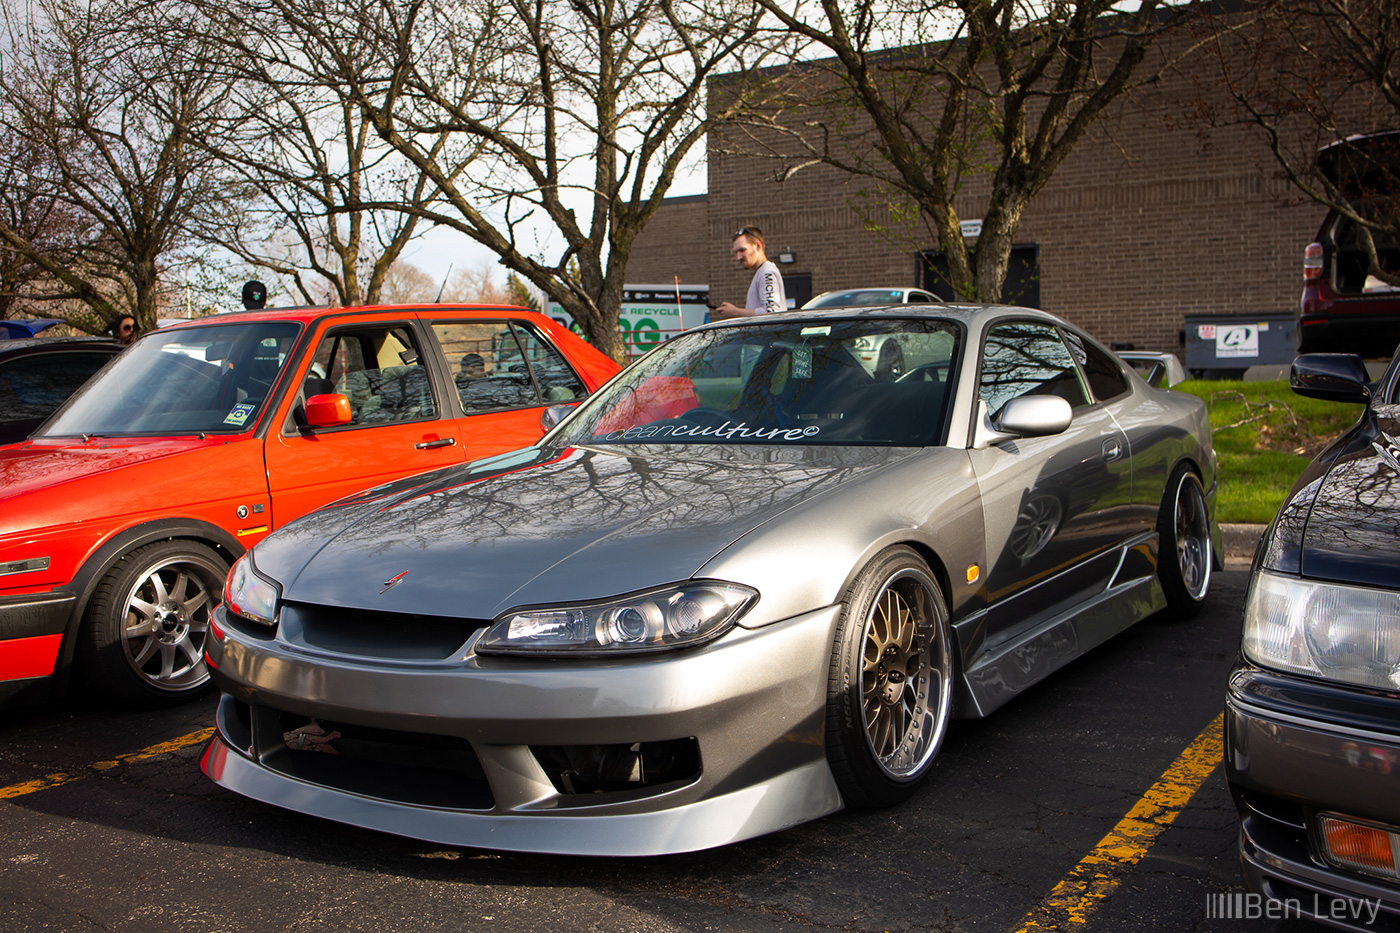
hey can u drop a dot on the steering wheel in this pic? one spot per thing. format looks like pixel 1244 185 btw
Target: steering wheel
pixel 707 417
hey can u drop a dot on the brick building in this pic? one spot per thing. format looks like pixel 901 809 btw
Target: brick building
pixel 1147 221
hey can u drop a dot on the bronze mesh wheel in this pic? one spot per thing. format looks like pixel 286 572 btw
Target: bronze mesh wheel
pixel 890 689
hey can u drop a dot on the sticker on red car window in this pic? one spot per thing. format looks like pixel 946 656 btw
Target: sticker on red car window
pixel 240 414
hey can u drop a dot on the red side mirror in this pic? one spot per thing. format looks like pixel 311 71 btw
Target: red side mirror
pixel 327 411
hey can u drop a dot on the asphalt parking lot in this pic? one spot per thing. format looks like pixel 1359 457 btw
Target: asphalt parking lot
pixel 109 824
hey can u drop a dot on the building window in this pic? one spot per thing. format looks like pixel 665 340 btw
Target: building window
pixel 1022 285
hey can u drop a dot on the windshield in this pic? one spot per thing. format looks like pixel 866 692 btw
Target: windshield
pixel 201 380
pixel 865 382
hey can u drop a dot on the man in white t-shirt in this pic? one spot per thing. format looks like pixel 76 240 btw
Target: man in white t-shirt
pixel 766 290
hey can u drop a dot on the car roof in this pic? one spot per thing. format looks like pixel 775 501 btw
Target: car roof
pixel 309 314
pixel 969 314
pixel 20 346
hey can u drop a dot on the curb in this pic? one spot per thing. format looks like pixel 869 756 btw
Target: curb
pixel 1240 541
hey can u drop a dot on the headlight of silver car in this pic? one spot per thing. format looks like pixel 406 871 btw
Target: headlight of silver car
pixel 1349 634
pixel 677 616
pixel 250 595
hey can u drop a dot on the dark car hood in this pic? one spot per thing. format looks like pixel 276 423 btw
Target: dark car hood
pixel 1352 530
pixel 547 525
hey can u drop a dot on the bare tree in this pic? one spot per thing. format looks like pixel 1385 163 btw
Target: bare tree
pixel 41 221
pixel 477 284
pixel 550 132
pixel 1308 75
pixel 924 95
pixel 307 152
pixel 405 283
pixel 109 123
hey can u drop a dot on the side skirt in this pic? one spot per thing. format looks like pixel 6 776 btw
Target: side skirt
pixel 1000 673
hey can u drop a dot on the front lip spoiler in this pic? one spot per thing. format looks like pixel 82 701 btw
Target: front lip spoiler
pixel 794 797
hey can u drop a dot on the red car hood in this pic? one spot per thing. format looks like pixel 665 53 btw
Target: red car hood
pixel 56 482
pixel 35 465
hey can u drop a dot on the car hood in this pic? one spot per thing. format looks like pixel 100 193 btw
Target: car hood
pixel 43 464
pixel 1352 530
pixel 547 525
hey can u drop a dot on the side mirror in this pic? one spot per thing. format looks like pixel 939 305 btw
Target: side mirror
pixel 1034 416
pixel 1336 377
pixel 1026 416
pixel 327 411
pixel 553 415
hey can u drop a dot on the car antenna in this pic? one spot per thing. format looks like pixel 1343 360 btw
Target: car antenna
pixel 438 299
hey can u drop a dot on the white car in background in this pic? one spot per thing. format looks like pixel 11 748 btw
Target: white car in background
pixel 878 355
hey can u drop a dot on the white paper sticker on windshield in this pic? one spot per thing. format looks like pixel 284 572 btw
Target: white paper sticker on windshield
pixel 240 414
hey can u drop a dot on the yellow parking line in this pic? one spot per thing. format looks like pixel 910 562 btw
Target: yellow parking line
pixel 1095 877
pixel 54 780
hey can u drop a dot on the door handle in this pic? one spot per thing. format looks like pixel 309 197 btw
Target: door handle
pixel 1112 449
pixel 429 445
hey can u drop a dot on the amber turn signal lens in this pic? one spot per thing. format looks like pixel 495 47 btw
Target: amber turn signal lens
pixel 1358 847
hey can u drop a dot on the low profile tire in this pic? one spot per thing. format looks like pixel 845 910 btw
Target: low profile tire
pixel 145 626
pixel 889 691
pixel 1184 549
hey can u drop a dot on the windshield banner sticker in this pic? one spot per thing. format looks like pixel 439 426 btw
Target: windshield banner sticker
pixel 802 362
pixel 240 414
pixel 724 431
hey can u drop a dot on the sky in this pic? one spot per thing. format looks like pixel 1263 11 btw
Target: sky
pixel 443 248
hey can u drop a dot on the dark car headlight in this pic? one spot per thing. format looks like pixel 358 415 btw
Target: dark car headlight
pixel 250 595
pixel 677 616
pixel 1349 634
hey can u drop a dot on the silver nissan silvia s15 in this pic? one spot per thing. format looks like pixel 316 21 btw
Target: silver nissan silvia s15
pixel 746 583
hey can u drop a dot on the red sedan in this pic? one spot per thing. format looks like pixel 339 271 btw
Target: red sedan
pixel 120 517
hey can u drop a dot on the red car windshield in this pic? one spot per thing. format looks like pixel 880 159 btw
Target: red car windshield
pixel 202 380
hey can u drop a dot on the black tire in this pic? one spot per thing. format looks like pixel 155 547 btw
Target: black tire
pixel 1184 550
pixel 144 627
pixel 889 690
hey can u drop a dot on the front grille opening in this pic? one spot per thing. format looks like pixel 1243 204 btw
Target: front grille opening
pixel 238 728
pixel 371 634
pixel 404 767
pixel 595 769
pixel 1288 813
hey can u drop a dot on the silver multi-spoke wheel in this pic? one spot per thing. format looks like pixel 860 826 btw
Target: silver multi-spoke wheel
pixel 890 694
pixel 1192 537
pixel 167 620
pixel 1184 551
pixel 148 620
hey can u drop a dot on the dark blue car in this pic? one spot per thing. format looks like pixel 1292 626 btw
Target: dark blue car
pixel 1313 706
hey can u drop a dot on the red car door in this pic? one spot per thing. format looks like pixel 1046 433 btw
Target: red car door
pixel 399 425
